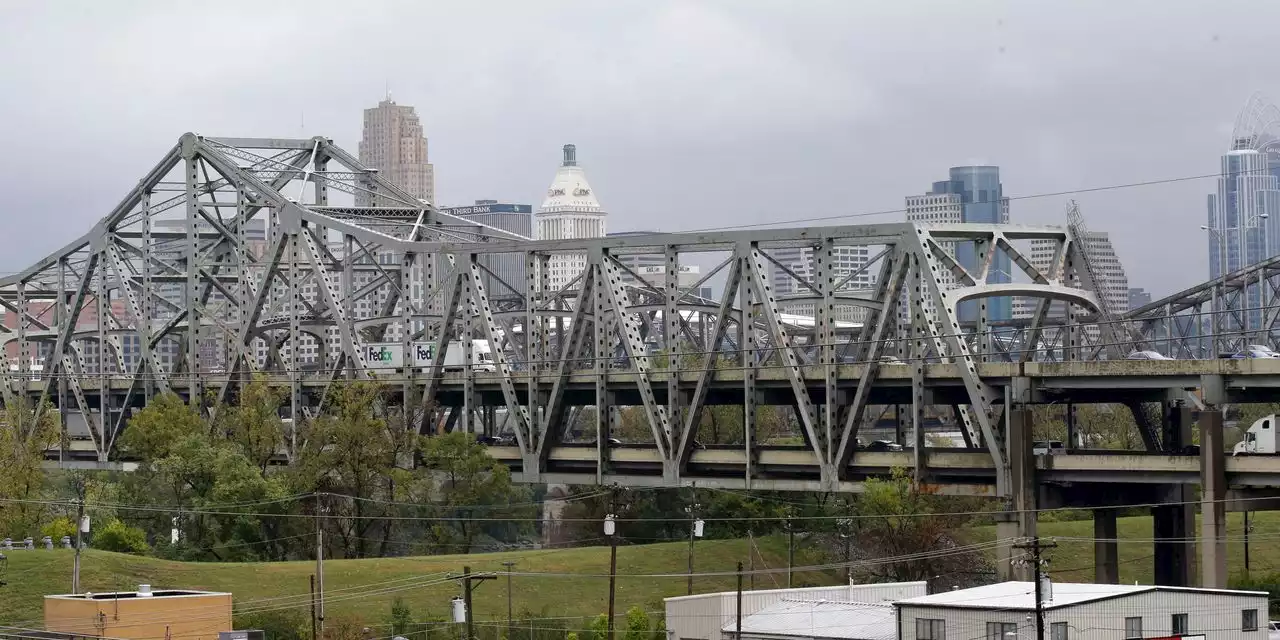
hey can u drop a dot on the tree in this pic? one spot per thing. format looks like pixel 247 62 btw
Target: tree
pixel 466 477
pixel 183 462
pixel 896 519
pixel 166 421
pixel 25 436
pixel 351 451
pixel 120 537
pixel 253 423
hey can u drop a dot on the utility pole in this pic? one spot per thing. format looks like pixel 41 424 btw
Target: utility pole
pixel 791 547
pixel 509 564
pixel 844 539
pixel 80 527
pixel 1246 544
pixel 695 530
pixel 466 595
pixel 467 588
pixel 737 614
pixel 751 556
pixel 610 529
pixel 319 568
pixel 314 635
pixel 1036 548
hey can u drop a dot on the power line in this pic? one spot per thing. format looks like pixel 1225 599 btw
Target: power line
pixel 1032 196
pixel 672 519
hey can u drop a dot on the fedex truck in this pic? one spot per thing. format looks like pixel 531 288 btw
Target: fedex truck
pixel 390 355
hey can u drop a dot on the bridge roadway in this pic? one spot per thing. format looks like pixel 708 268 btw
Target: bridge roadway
pixel 949 471
pixel 1254 380
pixel 1245 380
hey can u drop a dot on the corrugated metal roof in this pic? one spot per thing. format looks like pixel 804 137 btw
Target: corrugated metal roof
pixel 822 619
pixel 1021 595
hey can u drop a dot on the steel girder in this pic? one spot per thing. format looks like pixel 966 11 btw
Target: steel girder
pixel 1214 318
pixel 262 265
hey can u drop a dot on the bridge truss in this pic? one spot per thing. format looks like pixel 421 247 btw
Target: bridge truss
pixel 285 258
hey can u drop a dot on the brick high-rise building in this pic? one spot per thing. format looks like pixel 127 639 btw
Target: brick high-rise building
pixel 393 144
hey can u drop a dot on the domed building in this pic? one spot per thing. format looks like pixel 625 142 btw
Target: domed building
pixel 569 211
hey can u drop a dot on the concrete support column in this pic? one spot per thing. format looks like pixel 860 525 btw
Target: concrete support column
pixel 1172 526
pixel 1213 506
pixel 1021 521
pixel 1106 555
pixel 1174 523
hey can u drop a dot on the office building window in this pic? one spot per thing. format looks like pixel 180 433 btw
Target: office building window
pixel 931 629
pixel 1132 628
pixel 1002 631
pixel 1179 624
pixel 1058 631
pixel 1249 620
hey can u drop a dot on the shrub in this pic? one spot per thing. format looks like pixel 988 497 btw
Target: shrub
pixel 277 625
pixel 118 536
pixel 401 617
pixel 58 528
pixel 600 628
pixel 637 624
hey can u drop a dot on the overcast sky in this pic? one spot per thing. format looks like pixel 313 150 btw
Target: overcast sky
pixel 686 114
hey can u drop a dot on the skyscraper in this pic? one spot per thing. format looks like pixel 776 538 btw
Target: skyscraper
pixel 1113 282
pixel 394 145
pixel 971 194
pixel 507 267
pixel 569 211
pixel 1243 211
pixel 1138 297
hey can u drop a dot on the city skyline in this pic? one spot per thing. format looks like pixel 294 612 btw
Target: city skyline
pixel 679 146
pixel 970 194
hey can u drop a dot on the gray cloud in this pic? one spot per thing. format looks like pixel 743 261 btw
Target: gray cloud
pixel 686 114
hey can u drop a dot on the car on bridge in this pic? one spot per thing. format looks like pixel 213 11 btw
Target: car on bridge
pixel 1256 351
pixel 1147 355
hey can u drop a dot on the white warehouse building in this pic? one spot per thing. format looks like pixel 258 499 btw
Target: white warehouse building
pixel 706 616
pixel 1006 611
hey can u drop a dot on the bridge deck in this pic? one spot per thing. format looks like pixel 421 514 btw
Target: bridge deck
pixel 950 471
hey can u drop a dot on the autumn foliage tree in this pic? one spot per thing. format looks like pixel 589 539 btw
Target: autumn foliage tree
pixel 904 532
pixel 25 435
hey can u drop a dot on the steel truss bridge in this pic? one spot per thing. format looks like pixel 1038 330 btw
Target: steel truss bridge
pixel 281 258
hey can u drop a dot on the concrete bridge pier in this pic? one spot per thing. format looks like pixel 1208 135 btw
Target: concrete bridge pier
pixel 1020 521
pixel 1173 526
pixel 1213 489
pixel 1106 555
pixel 1173 523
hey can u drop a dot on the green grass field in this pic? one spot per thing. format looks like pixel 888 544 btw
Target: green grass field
pixel 32 574
pixel 1072 561
pixel 366 588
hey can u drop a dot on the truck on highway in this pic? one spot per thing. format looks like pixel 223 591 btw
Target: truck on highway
pixel 453 358
pixel 1260 438
pixel 390 355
